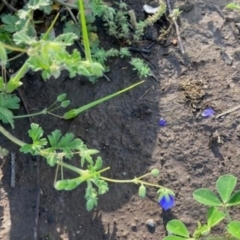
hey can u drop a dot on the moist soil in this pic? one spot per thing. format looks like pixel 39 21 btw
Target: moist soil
pixel 190 151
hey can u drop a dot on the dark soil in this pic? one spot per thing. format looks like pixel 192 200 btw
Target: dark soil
pixel 126 131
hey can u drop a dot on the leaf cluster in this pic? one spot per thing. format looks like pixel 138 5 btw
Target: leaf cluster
pixel 217 212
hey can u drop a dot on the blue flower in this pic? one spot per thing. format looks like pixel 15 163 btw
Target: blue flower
pixel 162 122
pixel 167 201
pixel 208 112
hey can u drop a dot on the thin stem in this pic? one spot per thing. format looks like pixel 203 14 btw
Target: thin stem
pixel 135 181
pixel 117 180
pixel 55 115
pixel 145 175
pixel 44 111
pixel 70 167
pixel 11 137
pixel 16 49
pixel 45 36
pixel 53 109
pixel 229 219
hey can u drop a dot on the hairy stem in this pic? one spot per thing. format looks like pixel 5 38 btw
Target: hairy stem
pixel 11 137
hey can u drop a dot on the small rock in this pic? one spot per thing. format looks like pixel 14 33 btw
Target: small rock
pixel 150 223
pixel 134 228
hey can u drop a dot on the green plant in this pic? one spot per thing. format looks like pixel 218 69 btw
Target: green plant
pixel 233 6
pixel 48 54
pixel 218 211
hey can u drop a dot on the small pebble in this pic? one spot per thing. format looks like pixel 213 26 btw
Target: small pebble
pixel 150 223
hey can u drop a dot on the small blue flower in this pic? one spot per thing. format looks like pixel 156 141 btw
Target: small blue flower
pixel 162 122
pixel 167 201
pixel 208 112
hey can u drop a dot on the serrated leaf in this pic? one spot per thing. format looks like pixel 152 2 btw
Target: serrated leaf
pixel 38 4
pixel 6 116
pixel 8 101
pixel 51 157
pixel 24 13
pixel 66 38
pixel 21 37
pixel 102 187
pixel 86 155
pixel 35 132
pixel 54 138
pixel 206 197
pixel 67 143
pixel 27 148
pixel 9 21
pixel 71 27
pixel 98 163
pixel 225 186
pixel 36 63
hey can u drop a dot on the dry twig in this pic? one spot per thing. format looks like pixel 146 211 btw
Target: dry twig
pixel 228 111
pixel 177 30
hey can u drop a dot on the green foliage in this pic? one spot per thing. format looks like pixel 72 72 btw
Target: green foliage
pixel 50 55
pixel 142 68
pixel 217 212
pixel 233 6
pixel 38 143
pixel 74 112
pixel 178 228
pixel 3 152
pixel 8 102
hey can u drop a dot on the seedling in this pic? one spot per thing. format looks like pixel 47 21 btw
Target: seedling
pixel 218 211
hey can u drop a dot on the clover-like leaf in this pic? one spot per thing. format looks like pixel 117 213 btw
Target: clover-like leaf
pixel 177 227
pixel 225 186
pixel 206 197
pixel 234 200
pixel 234 229
pixel 214 217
